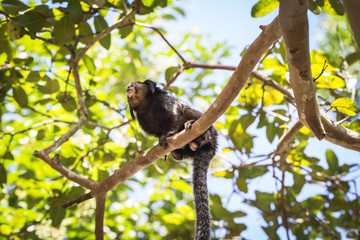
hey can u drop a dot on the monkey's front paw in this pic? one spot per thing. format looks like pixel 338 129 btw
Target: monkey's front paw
pixel 189 124
pixel 163 143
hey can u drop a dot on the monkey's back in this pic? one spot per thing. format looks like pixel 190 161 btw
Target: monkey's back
pixel 161 115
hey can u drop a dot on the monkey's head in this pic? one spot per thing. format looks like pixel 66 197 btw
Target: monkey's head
pixel 138 94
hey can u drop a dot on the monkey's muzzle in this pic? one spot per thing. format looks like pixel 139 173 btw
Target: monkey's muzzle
pixel 129 89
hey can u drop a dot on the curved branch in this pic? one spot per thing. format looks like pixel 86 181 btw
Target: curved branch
pixel 294 25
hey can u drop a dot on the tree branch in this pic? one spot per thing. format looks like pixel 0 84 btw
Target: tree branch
pixel 294 25
pixel 352 8
pixel 99 216
pixel 287 137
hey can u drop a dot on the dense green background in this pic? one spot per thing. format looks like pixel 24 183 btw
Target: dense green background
pixel 38 104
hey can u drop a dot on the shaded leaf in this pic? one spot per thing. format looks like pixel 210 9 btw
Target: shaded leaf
pixel 101 24
pixel 57 213
pixel 90 65
pixel 337 6
pixel 64 30
pixel 85 33
pixel 51 86
pixel 13 6
pixel 332 161
pixel 35 20
pixel 20 96
pixel 169 73
pixel 33 76
pixel 355 125
pixel 3 174
pixel 125 31
pixel 68 103
pixel 353 58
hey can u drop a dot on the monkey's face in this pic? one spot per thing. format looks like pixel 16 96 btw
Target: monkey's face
pixel 136 93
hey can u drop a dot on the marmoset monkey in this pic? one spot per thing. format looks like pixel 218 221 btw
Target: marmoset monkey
pixel 161 115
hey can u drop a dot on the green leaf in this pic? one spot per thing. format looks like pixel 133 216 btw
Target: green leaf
pixel 35 20
pixel 148 3
pixel 14 30
pixel 270 132
pixel 241 184
pixel 263 7
pixel 337 6
pixel 3 174
pixel 51 86
pixel 68 103
pixel 33 76
pixel 40 135
pixel 74 192
pixel 57 213
pixel 85 33
pixel 44 101
pixel 101 24
pixel 355 125
pixel 13 6
pixel 353 58
pixel 102 175
pixel 20 96
pixel 299 182
pixel 90 65
pixel 169 17
pixel 74 8
pixel 125 31
pixel 345 105
pixel 180 11
pixel 169 73
pixel 64 30
pixel 18 219
pixel 332 161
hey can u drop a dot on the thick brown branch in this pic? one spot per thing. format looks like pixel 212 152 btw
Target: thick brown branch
pixel 294 25
pixel 99 216
pixel 352 8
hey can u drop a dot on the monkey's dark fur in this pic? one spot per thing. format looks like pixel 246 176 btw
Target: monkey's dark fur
pixel 162 115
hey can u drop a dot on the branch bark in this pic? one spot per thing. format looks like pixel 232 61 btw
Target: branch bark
pixel 294 25
pixel 352 8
